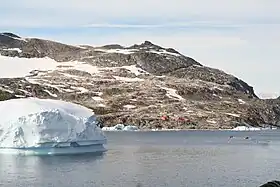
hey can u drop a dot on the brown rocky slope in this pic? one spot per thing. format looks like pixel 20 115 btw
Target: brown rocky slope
pixel 140 84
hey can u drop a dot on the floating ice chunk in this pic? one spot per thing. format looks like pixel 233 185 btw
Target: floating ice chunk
pixel 121 127
pixel 34 124
pixel 108 128
pixel 130 128
pixel 245 128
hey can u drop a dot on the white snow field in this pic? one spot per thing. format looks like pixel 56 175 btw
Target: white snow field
pixel 13 67
pixel 45 126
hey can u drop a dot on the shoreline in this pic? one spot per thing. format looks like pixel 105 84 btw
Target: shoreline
pixel 176 130
pixel 122 127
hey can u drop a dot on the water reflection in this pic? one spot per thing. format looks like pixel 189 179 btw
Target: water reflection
pixel 38 170
pixel 65 159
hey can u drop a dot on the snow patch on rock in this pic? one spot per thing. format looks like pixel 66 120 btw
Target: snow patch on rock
pixel 172 93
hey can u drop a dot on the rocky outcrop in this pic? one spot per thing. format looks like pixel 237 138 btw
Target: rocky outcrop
pixel 11 44
pixel 214 75
pixel 146 85
pixel 274 183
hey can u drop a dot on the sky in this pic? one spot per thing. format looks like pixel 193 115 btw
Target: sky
pixel 240 37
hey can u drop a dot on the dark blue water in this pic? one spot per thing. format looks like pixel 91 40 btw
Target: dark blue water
pixel 192 158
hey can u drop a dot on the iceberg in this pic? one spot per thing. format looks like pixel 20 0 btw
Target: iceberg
pixel 46 126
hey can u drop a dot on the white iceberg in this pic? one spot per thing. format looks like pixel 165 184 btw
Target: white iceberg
pixel 45 126
pixel 121 127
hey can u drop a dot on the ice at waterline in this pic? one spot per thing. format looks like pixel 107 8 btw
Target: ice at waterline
pixel 33 126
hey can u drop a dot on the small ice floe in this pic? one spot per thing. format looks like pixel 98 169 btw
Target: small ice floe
pixel 245 128
pixel 121 127
pixel 130 128
pixel 249 128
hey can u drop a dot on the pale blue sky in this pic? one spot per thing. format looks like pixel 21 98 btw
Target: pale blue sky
pixel 241 37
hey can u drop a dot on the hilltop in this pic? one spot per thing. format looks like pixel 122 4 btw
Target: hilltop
pixel 139 83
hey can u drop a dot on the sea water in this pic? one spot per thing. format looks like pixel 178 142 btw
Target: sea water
pixel 150 159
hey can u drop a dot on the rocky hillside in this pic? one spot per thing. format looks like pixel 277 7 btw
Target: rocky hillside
pixel 137 85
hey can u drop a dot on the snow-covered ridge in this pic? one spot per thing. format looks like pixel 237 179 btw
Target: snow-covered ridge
pixel 31 122
pixel 131 51
pixel 122 51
